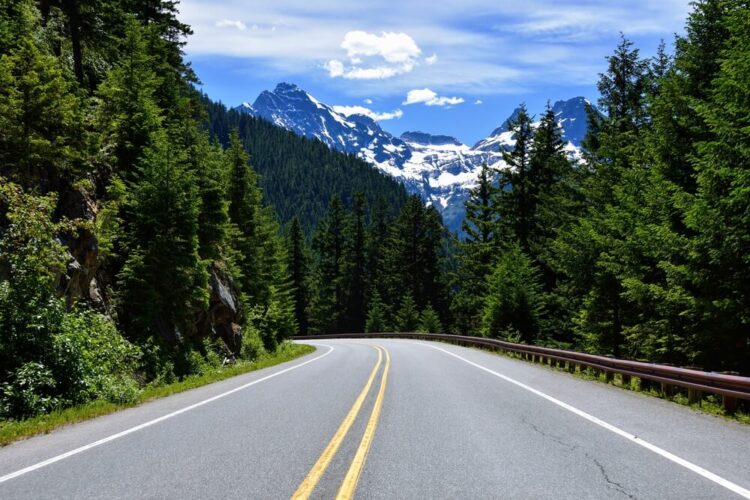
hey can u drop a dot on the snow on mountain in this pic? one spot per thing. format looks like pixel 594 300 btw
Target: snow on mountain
pixel 439 168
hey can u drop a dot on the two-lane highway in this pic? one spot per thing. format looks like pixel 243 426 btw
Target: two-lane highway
pixel 390 419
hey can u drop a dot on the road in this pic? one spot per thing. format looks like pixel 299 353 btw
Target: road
pixel 390 419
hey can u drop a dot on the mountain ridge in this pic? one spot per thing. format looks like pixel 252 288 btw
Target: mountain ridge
pixel 439 168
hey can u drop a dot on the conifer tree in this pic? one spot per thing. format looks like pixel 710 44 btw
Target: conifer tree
pixel 298 269
pixel 164 281
pixel 513 196
pixel 41 133
pixel 407 318
pixel 329 242
pixel 376 315
pixel 129 114
pixel 355 270
pixel 429 321
pixel 415 255
pixel 720 215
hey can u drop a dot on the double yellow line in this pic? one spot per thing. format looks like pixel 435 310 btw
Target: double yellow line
pixel 349 485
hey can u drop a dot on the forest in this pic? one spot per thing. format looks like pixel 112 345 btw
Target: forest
pixel 148 233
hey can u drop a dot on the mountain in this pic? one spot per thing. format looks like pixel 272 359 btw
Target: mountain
pixel 299 176
pixel 439 168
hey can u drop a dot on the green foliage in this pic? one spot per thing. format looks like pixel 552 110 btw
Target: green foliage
pixel 41 133
pixel 163 281
pixel 429 322
pixel 407 317
pixel 514 298
pixel 51 357
pixel 376 316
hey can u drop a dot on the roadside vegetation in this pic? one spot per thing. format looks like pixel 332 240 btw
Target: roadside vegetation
pixel 13 430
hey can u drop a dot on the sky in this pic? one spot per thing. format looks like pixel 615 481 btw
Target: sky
pixel 455 68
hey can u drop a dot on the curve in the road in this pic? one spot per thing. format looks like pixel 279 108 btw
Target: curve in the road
pixel 733 487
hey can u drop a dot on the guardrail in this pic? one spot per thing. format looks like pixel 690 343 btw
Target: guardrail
pixel 731 388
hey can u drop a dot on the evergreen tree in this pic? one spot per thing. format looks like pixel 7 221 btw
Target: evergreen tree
pixel 164 281
pixel 407 318
pixel 210 169
pixel 41 133
pixel 329 242
pixel 414 256
pixel 355 270
pixel 244 205
pixel 514 301
pixel 429 322
pixel 376 316
pixel 513 200
pixel 129 114
pixel 720 215
pixel 298 268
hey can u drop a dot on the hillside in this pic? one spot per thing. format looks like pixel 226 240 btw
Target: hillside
pixel 298 175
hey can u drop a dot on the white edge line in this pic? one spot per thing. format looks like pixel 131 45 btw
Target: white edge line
pixel 137 428
pixel 631 437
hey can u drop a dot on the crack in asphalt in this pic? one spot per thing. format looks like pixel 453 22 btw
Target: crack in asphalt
pixel 614 485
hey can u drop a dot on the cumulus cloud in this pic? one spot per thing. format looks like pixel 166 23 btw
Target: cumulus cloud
pixel 430 98
pixel 375 57
pixel 429 61
pixel 228 23
pixel 361 110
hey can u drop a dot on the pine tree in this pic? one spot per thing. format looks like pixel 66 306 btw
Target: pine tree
pixel 480 225
pixel 41 137
pixel 407 318
pixel 164 281
pixel 376 316
pixel 327 307
pixel 720 216
pixel 244 205
pixel 355 269
pixel 129 114
pixel 513 196
pixel 514 302
pixel 298 269
pixel 476 253
pixel 429 322
pixel 210 169
pixel 415 254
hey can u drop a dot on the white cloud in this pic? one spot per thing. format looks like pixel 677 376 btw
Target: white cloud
pixel 335 68
pixel 367 101
pixel 361 110
pixel 393 47
pixel 228 23
pixel 430 98
pixel 375 57
pixel 429 61
pixel 478 101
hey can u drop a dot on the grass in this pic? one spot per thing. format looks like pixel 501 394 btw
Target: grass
pixel 710 404
pixel 15 430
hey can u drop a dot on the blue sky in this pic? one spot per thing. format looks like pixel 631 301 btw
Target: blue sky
pixel 456 68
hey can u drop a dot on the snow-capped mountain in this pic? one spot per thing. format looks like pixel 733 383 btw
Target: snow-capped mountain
pixel 291 107
pixel 439 168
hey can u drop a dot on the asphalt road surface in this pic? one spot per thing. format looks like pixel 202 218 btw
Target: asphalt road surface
pixel 390 419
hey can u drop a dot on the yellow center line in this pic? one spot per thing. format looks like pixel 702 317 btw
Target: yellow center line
pixel 316 473
pixel 346 491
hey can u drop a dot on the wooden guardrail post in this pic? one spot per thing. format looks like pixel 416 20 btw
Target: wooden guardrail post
pixel 694 395
pixel 730 404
